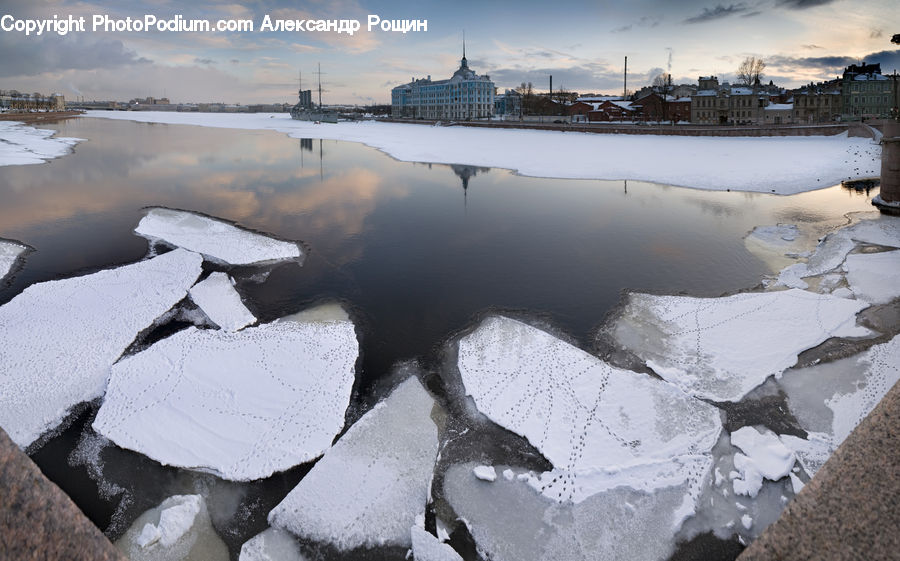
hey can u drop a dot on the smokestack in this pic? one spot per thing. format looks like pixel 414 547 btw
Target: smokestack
pixel 551 85
pixel 625 80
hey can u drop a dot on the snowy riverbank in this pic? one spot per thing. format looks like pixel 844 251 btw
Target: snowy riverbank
pixel 782 165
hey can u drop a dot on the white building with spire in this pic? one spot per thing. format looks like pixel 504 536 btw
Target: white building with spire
pixel 463 96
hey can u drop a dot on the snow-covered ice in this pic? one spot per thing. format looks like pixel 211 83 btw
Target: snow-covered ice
pixel 426 547
pixel 830 400
pixel 219 300
pixel 764 456
pixel 215 239
pixel 10 252
pixel 21 144
pixel 783 165
pixel 721 348
pixel 242 405
pixel 179 528
pixel 601 427
pixel 271 545
pixel 511 522
pixel 485 473
pixel 873 276
pixel 58 339
pixel 372 485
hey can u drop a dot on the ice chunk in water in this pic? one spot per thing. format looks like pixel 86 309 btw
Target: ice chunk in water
pixel 485 473
pixel 764 457
pixel 599 426
pixel 873 276
pixel 721 348
pixel 21 144
pixel 179 528
pixel 426 547
pixel 271 545
pixel 242 405
pixel 217 298
pixel 213 238
pixel 370 487
pixel 830 400
pixel 10 252
pixel 58 339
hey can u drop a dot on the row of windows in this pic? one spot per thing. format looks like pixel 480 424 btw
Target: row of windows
pixel 873 87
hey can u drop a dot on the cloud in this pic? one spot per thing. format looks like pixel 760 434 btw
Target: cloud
pixel 206 61
pixel 875 33
pixel 49 53
pixel 889 61
pixel 802 4
pixel 644 21
pixel 812 47
pixel 718 12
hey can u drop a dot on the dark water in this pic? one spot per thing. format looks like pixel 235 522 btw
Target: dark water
pixel 416 251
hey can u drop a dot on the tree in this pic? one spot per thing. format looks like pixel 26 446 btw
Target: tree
pixel 662 81
pixel 749 72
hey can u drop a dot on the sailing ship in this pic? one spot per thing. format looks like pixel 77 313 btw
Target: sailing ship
pixel 306 111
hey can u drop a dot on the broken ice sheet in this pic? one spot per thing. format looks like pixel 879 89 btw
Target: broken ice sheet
pixel 510 522
pixel 721 348
pixel 21 144
pixel 426 547
pixel 873 276
pixel 830 400
pixel 215 239
pixel 764 456
pixel 601 427
pixel 242 405
pixel 58 339
pixel 10 252
pixel 179 528
pixel 371 486
pixel 271 545
pixel 219 300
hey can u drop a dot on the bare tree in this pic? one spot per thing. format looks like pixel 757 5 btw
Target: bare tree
pixel 749 72
pixel 661 81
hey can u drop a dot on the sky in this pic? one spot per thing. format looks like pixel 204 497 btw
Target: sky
pixel 582 44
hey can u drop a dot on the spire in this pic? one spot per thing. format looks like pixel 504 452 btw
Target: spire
pixel 464 63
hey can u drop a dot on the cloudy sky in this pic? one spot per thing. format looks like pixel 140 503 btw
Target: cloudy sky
pixel 581 43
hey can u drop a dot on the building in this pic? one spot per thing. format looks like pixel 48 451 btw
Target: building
pixel 613 111
pixel 728 105
pixel 463 96
pixel 656 107
pixel 820 103
pixel 508 104
pixel 867 93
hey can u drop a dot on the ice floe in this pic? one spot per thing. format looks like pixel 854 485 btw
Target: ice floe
pixel 601 427
pixel 485 473
pixel 58 339
pixel 215 239
pixel 242 405
pixel 830 400
pixel 721 348
pixel 219 300
pixel 784 165
pixel 271 545
pixel 873 276
pixel 10 253
pixel 179 528
pixel 764 456
pixel 426 547
pixel 21 144
pixel 372 485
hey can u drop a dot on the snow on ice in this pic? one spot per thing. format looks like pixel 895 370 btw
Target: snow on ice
pixel 10 252
pixel 721 348
pixel 426 547
pixel 873 276
pixel 179 528
pixel 372 485
pixel 242 405
pixel 219 300
pixel 214 238
pixel 271 545
pixel 764 456
pixel 485 473
pixel 830 400
pixel 60 338
pixel 783 165
pixel 21 144
pixel 601 427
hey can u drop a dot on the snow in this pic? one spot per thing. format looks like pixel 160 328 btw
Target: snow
pixel 721 348
pixel 213 238
pixel 21 144
pixel 271 545
pixel 60 338
pixel 179 528
pixel 241 405
pixel 796 484
pixel 764 457
pixel 783 165
pixel 219 300
pixel 510 522
pixel 426 547
pixel 370 487
pixel 873 276
pixel 747 521
pixel 10 252
pixel 601 427
pixel 830 400
pixel 485 473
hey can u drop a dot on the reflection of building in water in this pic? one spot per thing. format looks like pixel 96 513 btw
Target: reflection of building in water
pixel 465 173
pixel 306 144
